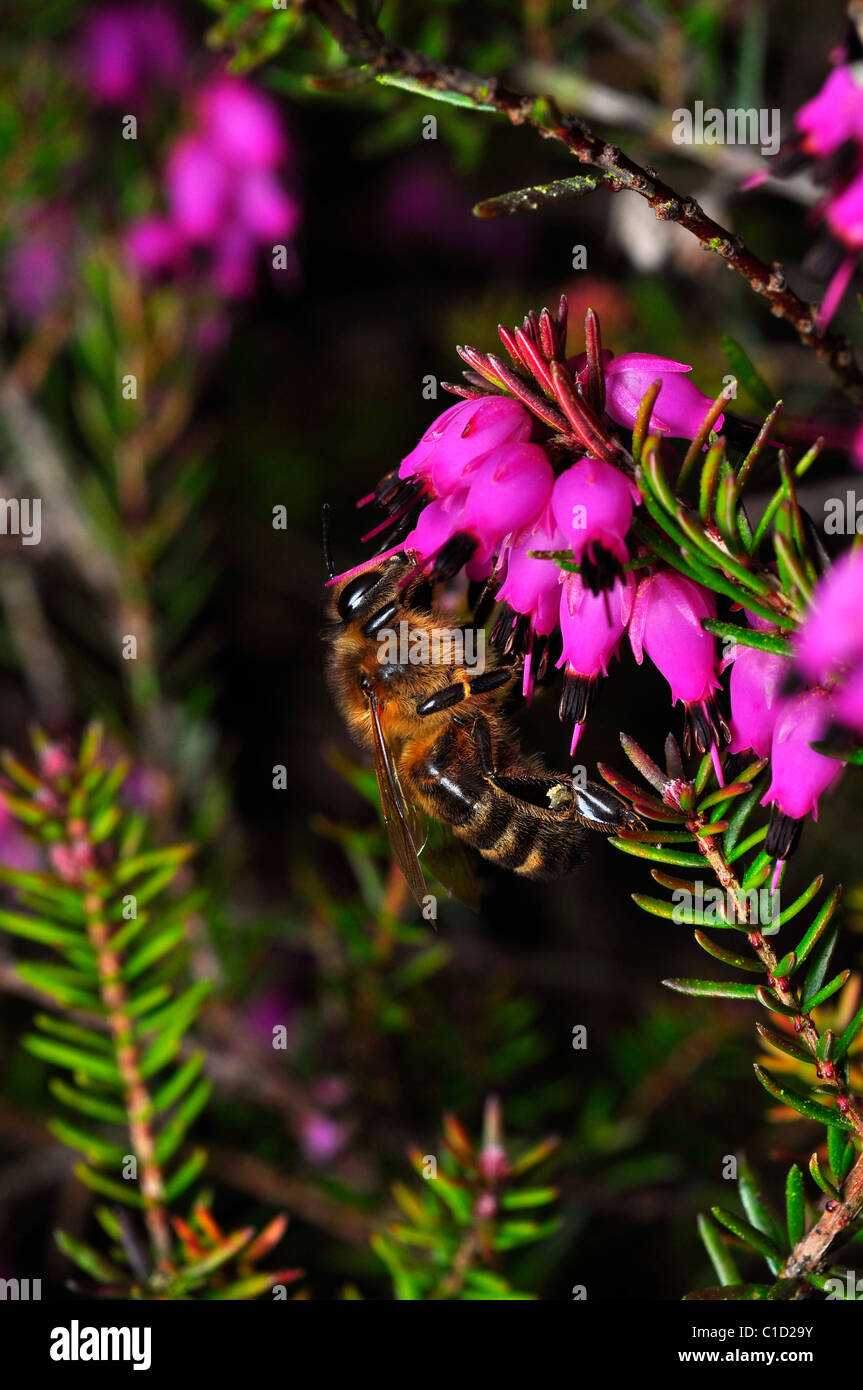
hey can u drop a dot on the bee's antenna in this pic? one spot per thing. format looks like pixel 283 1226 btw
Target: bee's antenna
pixel 328 549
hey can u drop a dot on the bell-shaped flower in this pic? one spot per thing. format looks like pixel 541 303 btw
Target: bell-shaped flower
pixel 461 438
pixel 831 636
pixel 680 406
pixel 592 503
pixel 591 627
pixel 666 624
pixel 800 775
pixel 756 704
pixel 507 492
pixel 532 587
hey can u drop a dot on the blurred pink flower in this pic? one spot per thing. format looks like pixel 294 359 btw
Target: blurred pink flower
pixel 242 123
pixel 831 635
pixel 16 851
pixel 38 269
pixel 223 193
pixel 321 1138
pixel 126 49
pixel 833 115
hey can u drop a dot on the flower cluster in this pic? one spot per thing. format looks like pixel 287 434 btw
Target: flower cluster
pixel 124 51
pixel 490 489
pixel 829 137
pixel 225 179
pixel 223 192
pixel 783 705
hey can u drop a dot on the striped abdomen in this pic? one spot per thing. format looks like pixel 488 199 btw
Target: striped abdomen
pixel 528 840
pixel 518 832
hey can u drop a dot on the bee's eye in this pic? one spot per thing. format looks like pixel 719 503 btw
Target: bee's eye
pixel 353 595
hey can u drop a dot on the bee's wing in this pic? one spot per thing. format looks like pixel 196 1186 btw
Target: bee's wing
pixel 449 861
pixel 401 828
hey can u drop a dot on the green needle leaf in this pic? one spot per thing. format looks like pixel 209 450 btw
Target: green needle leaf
pixel 713 989
pixel 795 1205
pixel 804 1105
pixel 750 1235
pixel 720 1256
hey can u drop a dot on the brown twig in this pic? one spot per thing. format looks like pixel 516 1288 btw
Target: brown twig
pixel 364 44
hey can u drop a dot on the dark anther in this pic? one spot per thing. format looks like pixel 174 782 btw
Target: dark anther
pixel 599 568
pixel 453 555
pixel 576 698
pixel 783 834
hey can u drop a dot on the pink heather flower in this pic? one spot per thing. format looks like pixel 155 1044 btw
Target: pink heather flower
pixel 320 1137
pixel 756 680
pixel 125 49
pixel 436 524
pixel 592 504
pixel 532 587
pixel 834 115
pixel 242 123
pixel 848 702
pixel 461 437
pixel 157 245
pixel 666 623
pixel 222 191
pixel 198 185
pixel 800 775
pixel 831 635
pixel 37 271
pixel 508 491
pixel 591 626
pixel 680 406
pixel 844 214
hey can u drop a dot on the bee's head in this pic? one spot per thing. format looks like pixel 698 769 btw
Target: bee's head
pixel 359 593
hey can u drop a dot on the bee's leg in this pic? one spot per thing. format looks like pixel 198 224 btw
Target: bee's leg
pixel 463 690
pixel 603 810
pixel 481 734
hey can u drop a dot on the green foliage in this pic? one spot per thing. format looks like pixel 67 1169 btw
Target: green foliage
pixel 472 1211
pixel 114 949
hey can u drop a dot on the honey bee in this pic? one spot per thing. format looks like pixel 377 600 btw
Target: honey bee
pixel 443 748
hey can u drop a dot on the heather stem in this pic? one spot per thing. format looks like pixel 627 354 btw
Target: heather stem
pixel 136 1095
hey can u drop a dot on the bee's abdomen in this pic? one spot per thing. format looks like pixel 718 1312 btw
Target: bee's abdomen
pixel 521 841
